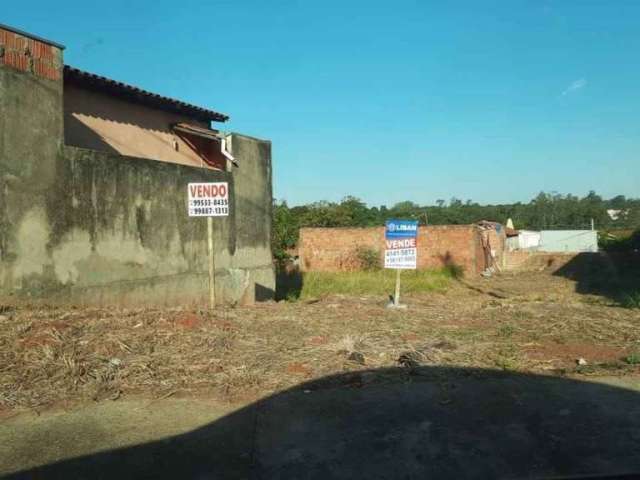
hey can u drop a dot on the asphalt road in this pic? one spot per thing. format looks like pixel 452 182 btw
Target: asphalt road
pixel 440 423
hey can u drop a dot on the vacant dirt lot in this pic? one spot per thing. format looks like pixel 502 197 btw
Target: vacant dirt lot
pixel 530 322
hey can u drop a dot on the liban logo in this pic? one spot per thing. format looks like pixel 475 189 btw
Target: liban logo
pixel 403 227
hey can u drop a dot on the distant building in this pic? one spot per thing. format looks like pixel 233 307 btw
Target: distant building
pixel 93 189
pixel 617 214
pixel 523 240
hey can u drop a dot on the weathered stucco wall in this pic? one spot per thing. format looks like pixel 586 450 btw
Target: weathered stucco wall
pixel 92 227
pixel 114 229
pixel 30 146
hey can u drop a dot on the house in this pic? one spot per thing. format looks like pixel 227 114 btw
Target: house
pixel 109 116
pixel 523 240
pixel 93 189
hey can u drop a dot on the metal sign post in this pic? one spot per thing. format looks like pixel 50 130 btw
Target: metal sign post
pixel 212 264
pixel 401 251
pixel 209 200
pixel 396 296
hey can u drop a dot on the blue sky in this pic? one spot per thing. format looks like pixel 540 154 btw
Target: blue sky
pixel 389 101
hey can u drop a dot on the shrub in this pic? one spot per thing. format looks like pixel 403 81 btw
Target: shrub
pixel 619 241
pixel 368 258
pixel 633 359
pixel 455 271
pixel 631 300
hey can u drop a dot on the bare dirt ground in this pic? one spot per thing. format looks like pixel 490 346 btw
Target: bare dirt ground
pixel 530 322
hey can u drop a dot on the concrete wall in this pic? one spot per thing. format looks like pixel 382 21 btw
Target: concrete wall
pixel 30 146
pixel 91 227
pixel 568 241
pixel 103 122
pixel 334 249
pixel 115 230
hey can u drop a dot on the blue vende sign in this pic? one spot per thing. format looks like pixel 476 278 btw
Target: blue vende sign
pixel 401 229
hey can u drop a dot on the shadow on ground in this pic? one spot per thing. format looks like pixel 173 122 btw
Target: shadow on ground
pixel 615 275
pixel 289 281
pixel 395 423
pixel 455 270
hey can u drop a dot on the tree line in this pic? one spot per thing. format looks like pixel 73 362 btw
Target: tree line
pixel 546 211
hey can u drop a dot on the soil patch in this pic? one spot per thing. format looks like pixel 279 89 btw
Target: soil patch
pixel 530 322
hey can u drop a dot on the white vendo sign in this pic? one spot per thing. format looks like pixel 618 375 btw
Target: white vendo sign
pixel 401 253
pixel 208 199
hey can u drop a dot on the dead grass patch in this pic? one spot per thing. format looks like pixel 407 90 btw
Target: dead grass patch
pixel 48 355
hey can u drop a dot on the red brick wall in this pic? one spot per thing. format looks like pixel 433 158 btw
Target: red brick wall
pixel 29 55
pixel 334 249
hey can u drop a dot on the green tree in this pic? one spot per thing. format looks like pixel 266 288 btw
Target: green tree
pixel 284 230
pixel 546 210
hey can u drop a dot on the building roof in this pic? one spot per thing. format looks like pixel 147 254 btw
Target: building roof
pixel 137 95
pixel 30 35
pixel 197 131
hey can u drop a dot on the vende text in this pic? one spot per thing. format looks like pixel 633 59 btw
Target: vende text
pixel 402 243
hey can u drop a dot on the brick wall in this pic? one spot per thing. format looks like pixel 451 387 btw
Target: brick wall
pixel 526 261
pixel 29 55
pixel 334 249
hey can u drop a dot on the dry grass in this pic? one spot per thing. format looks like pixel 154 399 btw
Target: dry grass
pixel 533 322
